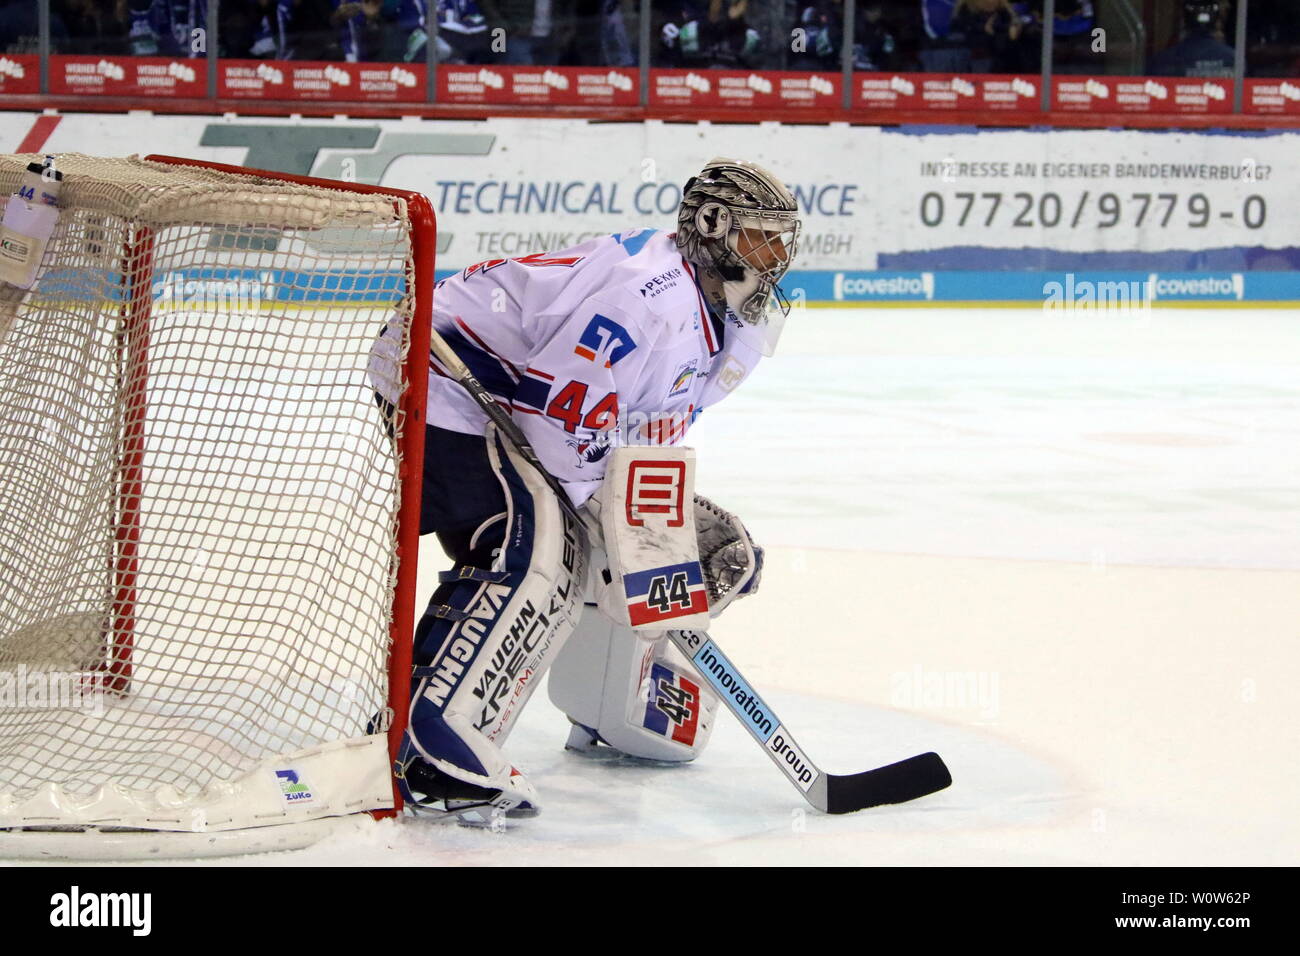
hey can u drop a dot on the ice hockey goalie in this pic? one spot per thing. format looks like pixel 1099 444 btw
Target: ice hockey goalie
pixel 604 353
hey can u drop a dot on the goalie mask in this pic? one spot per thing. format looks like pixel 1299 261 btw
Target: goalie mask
pixel 739 224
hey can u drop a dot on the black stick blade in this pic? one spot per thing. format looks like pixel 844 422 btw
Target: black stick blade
pixel 894 783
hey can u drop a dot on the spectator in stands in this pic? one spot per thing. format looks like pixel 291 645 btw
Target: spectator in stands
pixel 936 15
pixel 943 51
pixel 822 24
pixel 1200 52
pixel 617 47
pixel 255 29
pixel 718 37
pixel 92 27
pixel 978 36
pixel 1274 39
pixel 1072 37
pixel 874 44
pixel 679 35
pixel 166 27
pixel 363 31
pixel 20 28
pixel 535 30
pixel 728 36
pixel 312 33
pixel 597 34
pixel 581 44
pixel 1073 17
pixel 462 32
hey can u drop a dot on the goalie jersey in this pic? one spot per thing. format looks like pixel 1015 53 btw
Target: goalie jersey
pixel 609 342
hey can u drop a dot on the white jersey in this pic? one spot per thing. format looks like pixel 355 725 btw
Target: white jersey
pixel 609 342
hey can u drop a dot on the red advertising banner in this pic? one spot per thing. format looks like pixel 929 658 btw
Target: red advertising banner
pixel 310 80
pixel 946 91
pixel 20 73
pixel 538 85
pixel 1141 94
pixel 1279 97
pixel 744 89
pixel 145 76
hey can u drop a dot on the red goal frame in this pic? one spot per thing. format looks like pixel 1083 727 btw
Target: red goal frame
pixel 136 309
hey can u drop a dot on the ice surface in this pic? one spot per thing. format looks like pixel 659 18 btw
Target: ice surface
pixel 1063 551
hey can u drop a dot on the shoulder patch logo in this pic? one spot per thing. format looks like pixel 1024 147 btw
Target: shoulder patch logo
pixel 604 341
pixel 682 380
pixel 733 372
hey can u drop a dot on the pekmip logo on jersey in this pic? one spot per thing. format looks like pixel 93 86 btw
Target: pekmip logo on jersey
pixel 661 283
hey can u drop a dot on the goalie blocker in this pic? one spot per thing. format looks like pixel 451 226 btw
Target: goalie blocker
pixel 670 558
pixel 513 606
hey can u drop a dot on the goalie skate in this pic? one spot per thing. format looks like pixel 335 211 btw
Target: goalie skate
pixel 427 788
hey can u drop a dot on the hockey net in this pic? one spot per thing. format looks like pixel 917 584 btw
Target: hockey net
pixel 207 544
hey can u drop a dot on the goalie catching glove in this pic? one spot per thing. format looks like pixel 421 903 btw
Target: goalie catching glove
pixel 669 558
pixel 732 562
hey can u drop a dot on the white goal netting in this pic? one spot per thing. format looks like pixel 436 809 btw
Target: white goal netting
pixel 199 497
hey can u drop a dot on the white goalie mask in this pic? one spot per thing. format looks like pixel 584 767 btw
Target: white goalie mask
pixel 740 225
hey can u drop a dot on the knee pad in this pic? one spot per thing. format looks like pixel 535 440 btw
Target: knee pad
pixel 490 634
pixel 632 690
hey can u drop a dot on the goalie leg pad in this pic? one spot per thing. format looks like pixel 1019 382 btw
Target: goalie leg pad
pixel 631 690
pixel 491 633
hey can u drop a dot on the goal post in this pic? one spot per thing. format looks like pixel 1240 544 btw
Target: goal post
pixel 211 445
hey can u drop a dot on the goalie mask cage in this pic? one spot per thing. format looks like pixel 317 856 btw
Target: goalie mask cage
pixel 208 517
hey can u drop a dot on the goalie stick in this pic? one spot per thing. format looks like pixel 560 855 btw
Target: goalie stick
pixel 830 793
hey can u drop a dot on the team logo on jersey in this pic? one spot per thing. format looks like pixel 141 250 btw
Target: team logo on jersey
pixel 732 374
pixel 591 450
pixel 672 706
pixel 682 380
pixel 604 341
pixel 661 283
